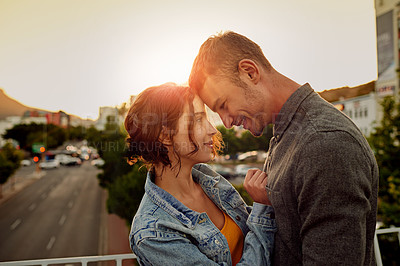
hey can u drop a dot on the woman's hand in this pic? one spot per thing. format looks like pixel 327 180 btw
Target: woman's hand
pixel 255 183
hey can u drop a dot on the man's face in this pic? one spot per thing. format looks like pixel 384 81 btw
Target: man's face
pixel 235 105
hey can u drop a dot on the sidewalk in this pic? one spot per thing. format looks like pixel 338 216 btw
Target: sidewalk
pixel 21 179
pixel 114 234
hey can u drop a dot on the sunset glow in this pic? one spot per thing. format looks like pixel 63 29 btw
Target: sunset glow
pixel 76 56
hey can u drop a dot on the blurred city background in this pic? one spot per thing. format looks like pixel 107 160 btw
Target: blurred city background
pixel 66 189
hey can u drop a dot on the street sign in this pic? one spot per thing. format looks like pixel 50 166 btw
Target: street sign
pixel 38 147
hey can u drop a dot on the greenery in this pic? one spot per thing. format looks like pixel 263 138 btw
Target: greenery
pixel 10 159
pixel 245 142
pixel 124 183
pixel 28 134
pixel 385 143
pixel 126 192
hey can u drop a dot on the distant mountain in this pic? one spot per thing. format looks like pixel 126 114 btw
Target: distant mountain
pixel 11 107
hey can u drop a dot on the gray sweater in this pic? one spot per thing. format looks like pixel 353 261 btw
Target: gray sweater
pixel 323 185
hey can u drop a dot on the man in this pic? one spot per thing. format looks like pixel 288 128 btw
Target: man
pixel 322 174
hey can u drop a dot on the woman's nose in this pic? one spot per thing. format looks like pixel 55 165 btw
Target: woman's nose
pixel 211 129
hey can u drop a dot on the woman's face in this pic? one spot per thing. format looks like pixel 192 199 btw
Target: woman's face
pixel 202 134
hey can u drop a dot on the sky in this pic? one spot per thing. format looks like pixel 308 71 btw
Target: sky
pixel 78 55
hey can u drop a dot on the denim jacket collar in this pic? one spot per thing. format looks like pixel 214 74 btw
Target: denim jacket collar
pixel 171 205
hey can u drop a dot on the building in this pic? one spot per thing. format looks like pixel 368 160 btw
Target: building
pixel 360 103
pixel 107 115
pixel 59 118
pixel 388 46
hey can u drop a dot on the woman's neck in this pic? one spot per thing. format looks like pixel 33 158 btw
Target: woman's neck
pixel 176 181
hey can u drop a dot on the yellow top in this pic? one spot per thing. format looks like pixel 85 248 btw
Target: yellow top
pixel 235 238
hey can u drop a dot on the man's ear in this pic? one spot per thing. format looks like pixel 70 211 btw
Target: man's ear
pixel 165 136
pixel 250 70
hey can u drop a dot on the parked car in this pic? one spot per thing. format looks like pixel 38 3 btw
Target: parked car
pixel 98 162
pixel 26 163
pixel 74 161
pixel 68 160
pixel 49 164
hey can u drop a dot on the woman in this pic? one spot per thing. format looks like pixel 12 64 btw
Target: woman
pixel 189 214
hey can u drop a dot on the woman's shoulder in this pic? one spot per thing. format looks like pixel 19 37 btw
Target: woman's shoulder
pixel 148 216
pixel 153 223
pixel 146 213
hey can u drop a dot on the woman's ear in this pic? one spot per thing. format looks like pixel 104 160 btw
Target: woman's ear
pixel 165 136
pixel 249 69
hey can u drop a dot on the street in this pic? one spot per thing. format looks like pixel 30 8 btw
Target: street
pixel 58 215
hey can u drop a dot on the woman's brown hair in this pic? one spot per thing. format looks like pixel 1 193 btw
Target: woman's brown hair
pixel 154 109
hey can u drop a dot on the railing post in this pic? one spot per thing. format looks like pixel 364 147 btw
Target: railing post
pixel 377 251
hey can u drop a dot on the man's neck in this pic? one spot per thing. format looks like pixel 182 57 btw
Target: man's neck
pixel 279 88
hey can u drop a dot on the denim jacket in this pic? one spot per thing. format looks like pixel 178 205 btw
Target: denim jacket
pixel 166 232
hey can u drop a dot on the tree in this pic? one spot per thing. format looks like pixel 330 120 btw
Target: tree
pixel 10 159
pixel 231 141
pixel 124 183
pixel 76 133
pixel 245 142
pixel 52 135
pixel 385 142
pixel 126 192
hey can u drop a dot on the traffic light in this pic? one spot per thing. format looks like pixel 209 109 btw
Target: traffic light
pixel 36 159
pixel 42 149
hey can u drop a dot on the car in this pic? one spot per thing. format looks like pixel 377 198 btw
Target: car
pixel 49 164
pixel 68 160
pixel 26 163
pixel 223 170
pixel 98 162
pixel 74 161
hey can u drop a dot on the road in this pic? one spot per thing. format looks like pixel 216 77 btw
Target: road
pixel 58 215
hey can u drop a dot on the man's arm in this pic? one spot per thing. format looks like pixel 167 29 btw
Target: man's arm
pixel 333 191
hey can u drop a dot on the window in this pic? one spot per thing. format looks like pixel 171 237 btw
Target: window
pixel 366 111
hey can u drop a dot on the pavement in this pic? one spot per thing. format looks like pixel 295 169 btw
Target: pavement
pixel 114 232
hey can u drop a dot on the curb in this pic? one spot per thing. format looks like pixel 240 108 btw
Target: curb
pixel 20 185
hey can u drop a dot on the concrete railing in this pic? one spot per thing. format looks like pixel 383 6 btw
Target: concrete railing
pixel 82 260
pixel 120 257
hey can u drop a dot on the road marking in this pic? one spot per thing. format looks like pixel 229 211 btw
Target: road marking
pixel 62 219
pixel 70 204
pixel 51 243
pixel 15 224
pixel 32 207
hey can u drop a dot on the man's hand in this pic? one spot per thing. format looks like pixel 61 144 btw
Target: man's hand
pixel 255 183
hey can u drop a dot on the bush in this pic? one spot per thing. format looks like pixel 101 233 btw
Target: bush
pixel 126 192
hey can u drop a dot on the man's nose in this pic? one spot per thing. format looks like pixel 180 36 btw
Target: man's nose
pixel 226 119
